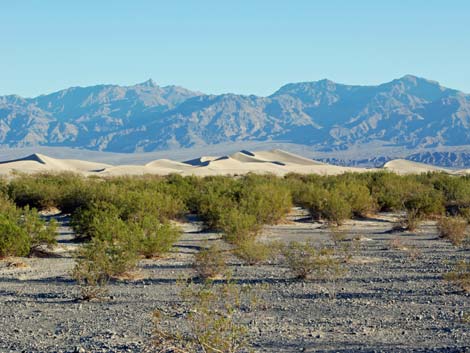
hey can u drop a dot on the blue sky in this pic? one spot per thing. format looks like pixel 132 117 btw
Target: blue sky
pixel 215 46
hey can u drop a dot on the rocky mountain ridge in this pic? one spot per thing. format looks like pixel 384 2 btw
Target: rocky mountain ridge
pixel 412 112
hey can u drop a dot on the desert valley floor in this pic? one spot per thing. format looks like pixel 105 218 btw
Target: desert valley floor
pixel 392 298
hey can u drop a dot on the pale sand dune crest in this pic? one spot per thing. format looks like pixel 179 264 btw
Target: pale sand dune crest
pixel 285 157
pixel 248 157
pixel 36 157
pixel 462 172
pixel 275 162
pixel 36 163
pixel 201 161
pixel 229 166
pixel 403 166
pixel 169 164
pixel 123 170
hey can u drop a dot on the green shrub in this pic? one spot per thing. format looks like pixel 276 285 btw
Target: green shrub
pixel 38 192
pixel 269 202
pixel 455 190
pixel 209 263
pixel 137 205
pixel 453 228
pixel 314 198
pixel 41 190
pixel 359 198
pixel 92 270
pixel 253 252
pixel 212 206
pixel 336 208
pixel 14 241
pixel 117 243
pixel 424 202
pixel 155 238
pixel 460 275
pixel 212 323
pixel 86 221
pixel 23 231
pixel 9 209
pixel 390 190
pixel 78 195
pixel 100 260
pixel 306 260
pixel 238 226
pixel 419 204
pixel 40 233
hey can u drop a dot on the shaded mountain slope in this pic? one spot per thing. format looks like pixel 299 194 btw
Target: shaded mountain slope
pixel 410 111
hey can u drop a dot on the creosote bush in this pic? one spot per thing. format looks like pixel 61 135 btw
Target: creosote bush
pixel 345 248
pixel 420 203
pixel 254 252
pixel 238 226
pixel 210 263
pixel 305 260
pixel 14 241
pixel 336 209
pixel 324 204
pixel 92 270
pixel 22 231
pixel 460 275
pixel 453 228
pixel 212 322
pixel 155 238
pixel 240 207
pixel 112 252
pixel 267 199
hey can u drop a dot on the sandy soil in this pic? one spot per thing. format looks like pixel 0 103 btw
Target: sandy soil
pixel 387 302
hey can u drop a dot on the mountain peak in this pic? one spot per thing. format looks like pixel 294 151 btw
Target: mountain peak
pixel 410 77
pixel 406 112
pixel 326 81
pixel 415 80
pixel 149 83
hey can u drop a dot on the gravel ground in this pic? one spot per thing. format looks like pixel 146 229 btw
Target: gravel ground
pixel 389 301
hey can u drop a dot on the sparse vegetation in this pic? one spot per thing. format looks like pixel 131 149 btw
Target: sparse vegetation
pixel 14 241
pixel 396 244
pixel 22 231
pixel 91 271
pixel 122 220
pixel 460 275
pixel 210 263
pixel 212 323
pixel 254 252
pixel 155 238
pixel 453 229
pixel 307 260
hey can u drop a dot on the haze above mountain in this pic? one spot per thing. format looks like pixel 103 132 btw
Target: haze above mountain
pixel 408 112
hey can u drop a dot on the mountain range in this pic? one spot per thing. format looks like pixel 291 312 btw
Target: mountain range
pixel 408 112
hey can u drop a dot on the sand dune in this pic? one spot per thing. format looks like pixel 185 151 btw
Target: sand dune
pixel 247 157
pixel 36 163
pixel 462 172
pixel 403 166
pixel 285 157
pixel 201 161
pixel 169 164
pixel 230 166
pixel 123 170
pixel 276 162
